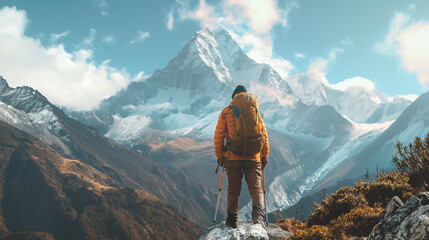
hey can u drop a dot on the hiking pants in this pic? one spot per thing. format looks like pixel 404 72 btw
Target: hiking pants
pixel 235 169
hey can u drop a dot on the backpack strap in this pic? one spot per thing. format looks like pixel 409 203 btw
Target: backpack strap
pixel 227 138
pixel 236 110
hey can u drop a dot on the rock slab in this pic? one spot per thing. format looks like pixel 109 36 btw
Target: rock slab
pixel 245 231
pixel 410 221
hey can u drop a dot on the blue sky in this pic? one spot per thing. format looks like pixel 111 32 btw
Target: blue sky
pixel 89 49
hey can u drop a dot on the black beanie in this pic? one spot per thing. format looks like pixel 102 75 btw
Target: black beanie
pixel 238 89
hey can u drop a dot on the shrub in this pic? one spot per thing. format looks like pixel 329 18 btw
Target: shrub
pixel 290 224
pixel 335 205
pixel 359 222
pixel 315 232
pixel 414 159
pixel 386 186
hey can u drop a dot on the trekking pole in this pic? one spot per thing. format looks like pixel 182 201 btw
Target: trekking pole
pixel 265 198
pixel 218 195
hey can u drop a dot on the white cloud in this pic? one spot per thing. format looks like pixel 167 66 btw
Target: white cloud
pixel 88 41
pixel 266 94
pixel 148 108
pixel 141 76
pixel 300 56
pixel 354 82
pixel 284 13
pixel 55 37
pixel 319 65
pixel 102 5
pixel 203 13
pixel 68 79
pixel 260 49
pixel 261 14
pixel 410 42
pixel 108 39
pixel 140 37
pixel 170 20
pixel 17 17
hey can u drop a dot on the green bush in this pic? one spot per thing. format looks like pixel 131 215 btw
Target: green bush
pixel 414 159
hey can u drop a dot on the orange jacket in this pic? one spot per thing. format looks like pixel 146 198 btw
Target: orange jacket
pixel 225 127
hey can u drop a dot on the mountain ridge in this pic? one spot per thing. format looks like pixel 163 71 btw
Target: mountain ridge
pixel 45 196
pixel 413 122
pixel 128 167
pixel 355 98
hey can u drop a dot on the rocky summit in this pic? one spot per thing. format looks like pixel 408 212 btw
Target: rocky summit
pixel 245 231
pixel 410 221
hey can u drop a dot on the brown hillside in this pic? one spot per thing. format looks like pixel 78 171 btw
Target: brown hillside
pixel 44 195
pixel 129 168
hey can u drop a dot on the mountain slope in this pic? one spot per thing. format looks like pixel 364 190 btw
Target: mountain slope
pixel 125 166
pixel 46 193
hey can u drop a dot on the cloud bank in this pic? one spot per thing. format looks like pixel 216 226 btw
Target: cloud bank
pixel 354 82
pixel 410 41
pixel 67 79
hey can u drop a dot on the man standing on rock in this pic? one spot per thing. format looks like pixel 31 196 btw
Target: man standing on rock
pixel 241 145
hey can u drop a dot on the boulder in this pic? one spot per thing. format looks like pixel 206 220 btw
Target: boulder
pixel 410 221
pixel 391 207
pixel 245 231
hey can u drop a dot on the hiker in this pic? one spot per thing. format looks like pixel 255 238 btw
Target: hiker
pixel 241 145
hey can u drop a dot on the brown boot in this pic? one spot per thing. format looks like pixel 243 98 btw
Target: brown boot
pixel 232 220
pixel 258 215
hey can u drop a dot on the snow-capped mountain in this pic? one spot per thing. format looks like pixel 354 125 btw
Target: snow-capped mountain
pixel 183 96
pixel 32 102
pixel 413 122
pixel 179 106
pixel 357 98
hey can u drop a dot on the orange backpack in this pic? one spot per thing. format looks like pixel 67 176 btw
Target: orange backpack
pixel 248 138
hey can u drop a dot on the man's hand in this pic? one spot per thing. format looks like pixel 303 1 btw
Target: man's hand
pixel 263 162
pixel 221 161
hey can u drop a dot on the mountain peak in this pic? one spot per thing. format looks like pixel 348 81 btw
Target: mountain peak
pixel 310 87
pixel 3 84
pixel 212 57
pixel 215 40
pixel 212 30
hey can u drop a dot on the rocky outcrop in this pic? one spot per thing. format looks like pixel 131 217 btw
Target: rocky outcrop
pixel 391 207
pixel 245 231
pixel 409 221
